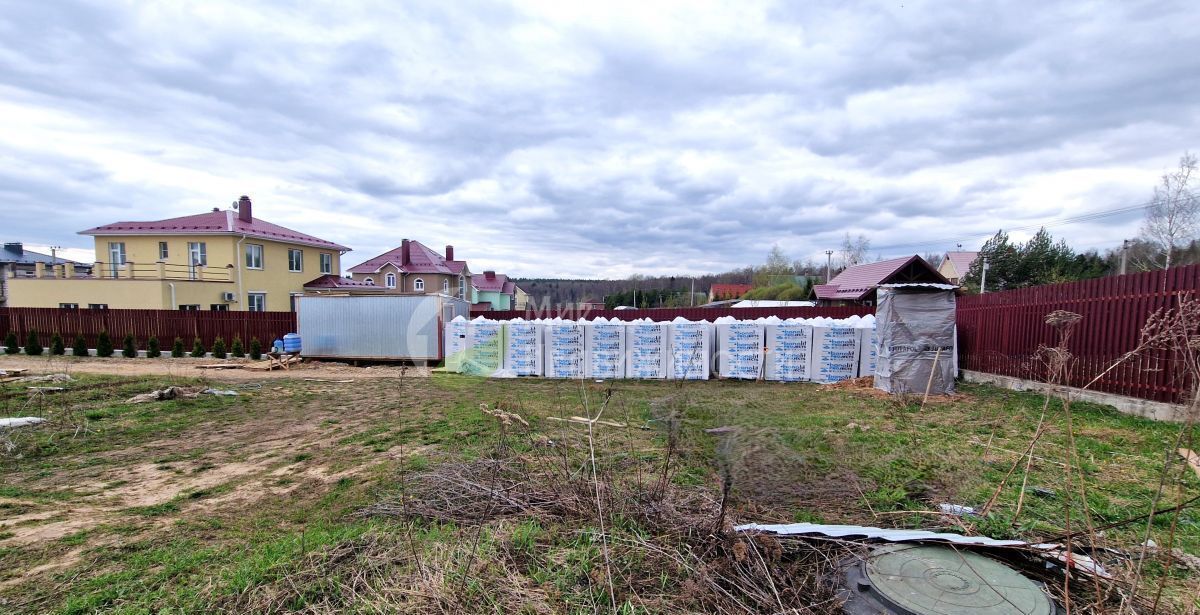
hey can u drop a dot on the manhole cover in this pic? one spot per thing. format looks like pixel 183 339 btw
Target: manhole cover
pixel 936 580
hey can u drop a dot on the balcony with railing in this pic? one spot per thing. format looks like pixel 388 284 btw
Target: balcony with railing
pixel 130 271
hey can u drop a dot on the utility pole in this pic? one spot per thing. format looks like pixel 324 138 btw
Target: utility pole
pixel 54 254
pixel 1124 255
pixel 828 265
pixel 983 277
pixel 692 295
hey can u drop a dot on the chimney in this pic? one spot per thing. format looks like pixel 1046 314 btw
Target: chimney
pixel 449 253
pixel 15 247
pixel 491 275
pixel 244 211
pixel 404 252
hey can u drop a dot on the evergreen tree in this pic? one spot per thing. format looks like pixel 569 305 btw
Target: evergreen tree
pixel 237 350
pixel 198 350
pixel 129 347
pixel 79 347
pixel 1041 260
pixel 177 348
pixel 33 346
pixel 152 350
pixel 10 343
pixel 104 346
pixel 1002 258
pixel 218 349
pixel 57 347
pixel 255 349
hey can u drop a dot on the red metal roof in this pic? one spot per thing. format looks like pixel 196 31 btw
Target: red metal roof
pixel 213 222
pixel 856 282
pixel 421 259
pixel 486 284
pixel 337 281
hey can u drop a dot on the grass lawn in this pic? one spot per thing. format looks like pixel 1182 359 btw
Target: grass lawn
pixel 340 496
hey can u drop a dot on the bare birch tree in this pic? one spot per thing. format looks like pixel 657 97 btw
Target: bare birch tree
pixel 854 250
pixel 1173 217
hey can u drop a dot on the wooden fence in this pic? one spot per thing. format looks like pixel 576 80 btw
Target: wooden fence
pixel 1000 333
pixel 665 314
pixel 166 325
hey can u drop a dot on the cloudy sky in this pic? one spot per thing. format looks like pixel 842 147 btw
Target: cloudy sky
pixel 602 139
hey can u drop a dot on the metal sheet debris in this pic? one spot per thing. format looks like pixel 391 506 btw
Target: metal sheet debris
pixel 20 421
pixel 1056 552
pixel 859 531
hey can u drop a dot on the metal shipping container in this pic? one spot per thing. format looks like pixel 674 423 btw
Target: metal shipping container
pixel 383 327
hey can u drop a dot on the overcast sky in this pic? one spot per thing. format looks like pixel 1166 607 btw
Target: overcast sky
pixel 598 140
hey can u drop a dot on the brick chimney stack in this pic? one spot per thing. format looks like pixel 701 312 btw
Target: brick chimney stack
pixel 244 211
pixel 405 253
pixel 491 275
pixel 449 253
pixel 15 247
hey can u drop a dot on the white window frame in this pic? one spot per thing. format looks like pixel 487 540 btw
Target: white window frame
pixel 295 265
pixel 198 249
pixel 462 287
pixel 419 285
pixel 445 287
pixel 163 252
pixel 326 263
pixel 368 281
pixel 389 280
pixel 197 256
pixel 251 248
pixel 116 256
pixel 251 299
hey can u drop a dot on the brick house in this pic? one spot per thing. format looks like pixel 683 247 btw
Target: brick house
pixel 414 268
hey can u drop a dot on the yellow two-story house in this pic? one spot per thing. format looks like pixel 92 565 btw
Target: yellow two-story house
pixel 219 260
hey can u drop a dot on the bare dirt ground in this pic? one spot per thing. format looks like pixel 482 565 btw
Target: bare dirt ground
pixel 188 367
pixel 290 446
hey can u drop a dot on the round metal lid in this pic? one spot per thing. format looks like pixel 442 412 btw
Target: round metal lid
pixel 929 580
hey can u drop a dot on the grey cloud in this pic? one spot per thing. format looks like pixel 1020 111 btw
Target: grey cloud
pixel 596 145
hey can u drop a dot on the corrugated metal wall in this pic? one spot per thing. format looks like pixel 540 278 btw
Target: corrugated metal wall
pixel 393 327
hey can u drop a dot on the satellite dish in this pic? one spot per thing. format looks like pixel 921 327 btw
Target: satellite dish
pixel 235 204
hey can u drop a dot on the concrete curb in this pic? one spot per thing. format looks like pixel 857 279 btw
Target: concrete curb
pixel 1155 410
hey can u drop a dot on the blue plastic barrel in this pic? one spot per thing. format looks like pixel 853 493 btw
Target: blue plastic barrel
pixel 291 343
pixel 277 346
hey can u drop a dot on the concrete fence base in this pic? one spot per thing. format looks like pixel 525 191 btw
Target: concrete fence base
pixel 1156 410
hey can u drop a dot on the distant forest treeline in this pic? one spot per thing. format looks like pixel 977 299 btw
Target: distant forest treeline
pixel 668 291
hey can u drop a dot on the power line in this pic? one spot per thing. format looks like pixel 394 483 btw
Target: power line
pixel 1088 217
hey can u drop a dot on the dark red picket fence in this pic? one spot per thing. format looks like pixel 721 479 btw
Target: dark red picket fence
pixel 665 314
pixel 166 325
pixel 1000 333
